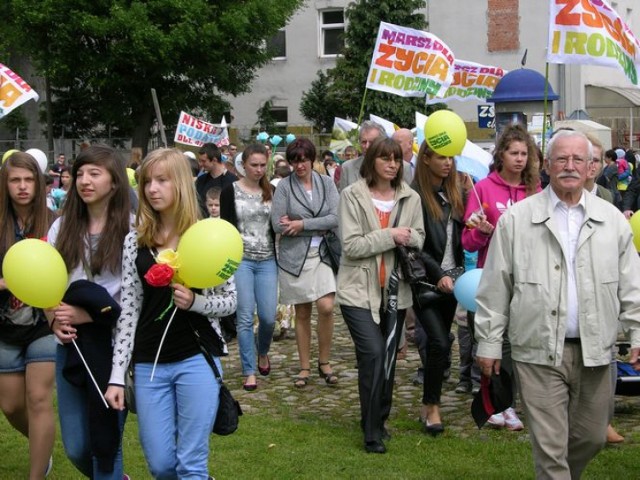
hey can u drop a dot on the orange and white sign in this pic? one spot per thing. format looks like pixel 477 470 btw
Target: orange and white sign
pixel 410 62
pixel 591 32
pixel 14 91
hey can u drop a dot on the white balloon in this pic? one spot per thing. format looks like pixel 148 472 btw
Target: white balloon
pixel 238 162
pixel 40 157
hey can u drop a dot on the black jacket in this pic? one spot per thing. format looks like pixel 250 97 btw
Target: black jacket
pixel 436 237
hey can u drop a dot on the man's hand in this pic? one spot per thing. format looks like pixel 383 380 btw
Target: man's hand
pixel 489 365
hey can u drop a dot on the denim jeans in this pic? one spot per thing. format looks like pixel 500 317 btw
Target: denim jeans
pixel 257 283
pixel 74 425
pixel 175 416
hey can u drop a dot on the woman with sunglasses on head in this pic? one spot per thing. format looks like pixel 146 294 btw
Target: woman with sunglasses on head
pixel 436 181
pixel 372 224
pixel 27 347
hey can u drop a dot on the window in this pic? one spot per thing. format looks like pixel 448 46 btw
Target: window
pixel 280 116
pixel 331 32
pixel 277 46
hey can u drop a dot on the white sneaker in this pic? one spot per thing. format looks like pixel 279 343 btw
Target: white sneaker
pixel 496 420
pixel 49 466
pixel 511 420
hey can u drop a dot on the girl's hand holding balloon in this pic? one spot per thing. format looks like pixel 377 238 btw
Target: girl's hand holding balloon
pixel 62 330
pixel 72 315
pixel 182 297
pixel 3 284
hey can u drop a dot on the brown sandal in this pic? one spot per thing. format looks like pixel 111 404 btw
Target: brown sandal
pixel 300 381
pixel 329 377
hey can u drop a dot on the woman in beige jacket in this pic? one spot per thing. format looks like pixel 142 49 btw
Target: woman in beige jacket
pixel 369 234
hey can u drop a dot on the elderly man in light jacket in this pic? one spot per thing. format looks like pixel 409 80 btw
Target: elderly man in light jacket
pixel 561 273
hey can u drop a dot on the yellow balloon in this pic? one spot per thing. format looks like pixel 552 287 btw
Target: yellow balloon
pixel 35 273
pixel 635 228
pixel 209 252
pixel 7 154
pixel 445 133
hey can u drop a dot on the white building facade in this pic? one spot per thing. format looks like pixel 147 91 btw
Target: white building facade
pixel 491 32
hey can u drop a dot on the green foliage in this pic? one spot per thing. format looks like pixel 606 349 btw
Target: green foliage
pixel 320 104
pixel 339 92
pixel 102 57
pixel 16 120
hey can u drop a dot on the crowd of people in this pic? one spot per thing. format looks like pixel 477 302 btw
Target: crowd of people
pixel 560 271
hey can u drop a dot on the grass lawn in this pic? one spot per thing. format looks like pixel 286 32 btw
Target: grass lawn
pixel 279 444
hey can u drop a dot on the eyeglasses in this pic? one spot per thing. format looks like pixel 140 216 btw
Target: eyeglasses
pixel 563 161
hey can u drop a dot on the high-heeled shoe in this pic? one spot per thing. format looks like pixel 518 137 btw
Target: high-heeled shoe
pixel 264 371
pixel 329 377
pixel 433 429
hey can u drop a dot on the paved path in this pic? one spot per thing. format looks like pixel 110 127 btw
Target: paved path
pixel 342 400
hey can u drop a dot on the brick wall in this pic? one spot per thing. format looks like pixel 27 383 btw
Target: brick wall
pixel 503 25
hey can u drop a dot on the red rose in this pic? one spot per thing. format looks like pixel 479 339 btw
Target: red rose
pixel 159 275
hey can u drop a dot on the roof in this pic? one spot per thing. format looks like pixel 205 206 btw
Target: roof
pixel 622 96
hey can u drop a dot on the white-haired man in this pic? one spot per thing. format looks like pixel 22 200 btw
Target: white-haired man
pixel 560 273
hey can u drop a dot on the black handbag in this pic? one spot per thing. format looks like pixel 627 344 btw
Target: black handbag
pixel 411 264
pixel 229 410
pixel 425 293
pixel 332 249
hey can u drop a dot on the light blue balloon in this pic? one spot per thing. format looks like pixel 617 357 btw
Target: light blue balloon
pixel 262 137
pixel 466 288
pixel 275 140
pixel 290 138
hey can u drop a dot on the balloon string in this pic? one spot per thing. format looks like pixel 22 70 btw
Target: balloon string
pixel 90 374
pixel 473 187
pixel 164 335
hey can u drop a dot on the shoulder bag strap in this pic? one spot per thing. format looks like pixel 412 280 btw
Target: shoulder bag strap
pixel 206 353
pixel 395 224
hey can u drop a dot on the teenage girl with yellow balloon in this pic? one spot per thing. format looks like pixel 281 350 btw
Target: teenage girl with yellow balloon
pixel 27 348
pixel 177 409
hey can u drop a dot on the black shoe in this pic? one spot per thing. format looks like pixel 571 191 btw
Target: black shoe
pixel 385 434
pixel 433 429
pixel 375 447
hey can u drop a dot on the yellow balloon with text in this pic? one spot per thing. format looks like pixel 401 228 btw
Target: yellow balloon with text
pixel 635 228
pixel 445 133
pixel 35 273
pixel 210 251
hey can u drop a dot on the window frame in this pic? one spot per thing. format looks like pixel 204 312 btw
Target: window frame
pixel 282 31
pixel 322 28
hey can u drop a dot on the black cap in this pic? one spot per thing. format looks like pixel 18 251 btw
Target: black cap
pixel 494 396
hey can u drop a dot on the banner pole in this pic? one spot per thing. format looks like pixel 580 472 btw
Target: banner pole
pixel 364 98
pixel 544 109
pixel 156 106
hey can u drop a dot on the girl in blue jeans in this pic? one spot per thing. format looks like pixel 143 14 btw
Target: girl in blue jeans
pixel 89 236
pixel 27 348
pixel 247 205
pixel 176 409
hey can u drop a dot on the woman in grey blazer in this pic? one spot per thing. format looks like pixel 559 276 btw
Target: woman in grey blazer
pixel 305 206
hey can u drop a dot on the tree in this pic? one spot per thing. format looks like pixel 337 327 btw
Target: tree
pixel 340 91
pixel 320 105
pixel 103 57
